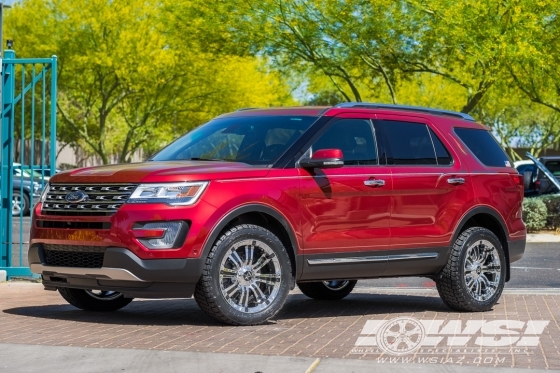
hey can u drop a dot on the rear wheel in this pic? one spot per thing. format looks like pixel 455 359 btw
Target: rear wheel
pixel 94 300
pixel 474 277
pixel 327 290
pixel 246 278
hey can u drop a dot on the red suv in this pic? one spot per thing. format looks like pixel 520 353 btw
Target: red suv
pixel 245 207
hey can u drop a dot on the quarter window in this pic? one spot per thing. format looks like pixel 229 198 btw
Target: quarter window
pixel 443 157
pixel 354 137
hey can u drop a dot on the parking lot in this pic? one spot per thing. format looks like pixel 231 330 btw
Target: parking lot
pixel 306 332
pixel 305 328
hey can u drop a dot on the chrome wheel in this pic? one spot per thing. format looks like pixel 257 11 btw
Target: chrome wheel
pixel 103 295
pixel 482 270
pixel 250 276
pixel 336 284
pixel 17 204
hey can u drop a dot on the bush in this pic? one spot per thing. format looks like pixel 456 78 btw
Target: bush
pixel 534 214
pixel 552 203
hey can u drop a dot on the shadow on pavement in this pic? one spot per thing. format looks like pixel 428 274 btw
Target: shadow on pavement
pixel 174 312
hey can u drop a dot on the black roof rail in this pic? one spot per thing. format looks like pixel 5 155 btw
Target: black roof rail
pixel 247 108
pixel 372 105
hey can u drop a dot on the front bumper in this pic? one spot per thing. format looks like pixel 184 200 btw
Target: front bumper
pixel 124 272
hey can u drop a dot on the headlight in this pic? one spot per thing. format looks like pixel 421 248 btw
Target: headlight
pixel 174 194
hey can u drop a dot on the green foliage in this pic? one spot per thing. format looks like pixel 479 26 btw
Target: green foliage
pixel 126 82
pixel 552 203
pixel 534 214
pixel 136 74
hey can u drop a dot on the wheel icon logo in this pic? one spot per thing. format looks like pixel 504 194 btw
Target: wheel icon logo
pixel 401 336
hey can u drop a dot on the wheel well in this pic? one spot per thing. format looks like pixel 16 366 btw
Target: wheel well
pixel 492 224
pixel 272 224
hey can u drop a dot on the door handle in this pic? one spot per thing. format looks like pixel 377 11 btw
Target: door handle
pixel 456 180
pixel 375 183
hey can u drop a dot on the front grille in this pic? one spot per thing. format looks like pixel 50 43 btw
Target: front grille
pixel 73 224
pixel 101 200
pixel 74 256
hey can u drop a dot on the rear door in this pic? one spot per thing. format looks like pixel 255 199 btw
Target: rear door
pixel 430 189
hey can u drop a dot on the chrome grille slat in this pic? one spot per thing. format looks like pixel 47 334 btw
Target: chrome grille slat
pixel 102 199
pixel 116 193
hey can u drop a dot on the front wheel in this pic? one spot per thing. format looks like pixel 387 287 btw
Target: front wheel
pixel 327 290
pixel 246 277
pixel 474 277
pixel 94 300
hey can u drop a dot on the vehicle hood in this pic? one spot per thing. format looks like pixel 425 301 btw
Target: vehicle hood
pixel 160 172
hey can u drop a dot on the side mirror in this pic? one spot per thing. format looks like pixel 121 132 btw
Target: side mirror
pixel 324 158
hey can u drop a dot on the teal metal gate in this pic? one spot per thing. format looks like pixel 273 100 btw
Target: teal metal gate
pixel 28 116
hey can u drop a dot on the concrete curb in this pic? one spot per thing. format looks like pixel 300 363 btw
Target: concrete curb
pixel 61 359
pixel 408 290
pixel 3 276
pixel 543 238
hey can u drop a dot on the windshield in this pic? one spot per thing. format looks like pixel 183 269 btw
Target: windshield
pixel 254 140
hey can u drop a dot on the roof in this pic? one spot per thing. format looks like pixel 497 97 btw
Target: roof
pixel 278 111
pixel 321 110
pixel 372 105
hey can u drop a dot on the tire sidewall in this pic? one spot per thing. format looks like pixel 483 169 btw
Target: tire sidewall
pixel 482 234
pixel 223 249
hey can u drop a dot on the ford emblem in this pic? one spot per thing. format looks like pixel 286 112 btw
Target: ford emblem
pixel 76 197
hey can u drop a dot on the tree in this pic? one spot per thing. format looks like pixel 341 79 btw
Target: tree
pixel 124 78
pixel 369 47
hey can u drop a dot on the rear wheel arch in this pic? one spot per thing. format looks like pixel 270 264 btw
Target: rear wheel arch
pixel 490 219
pixel 264 216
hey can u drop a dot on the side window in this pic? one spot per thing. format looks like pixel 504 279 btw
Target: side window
pixel 354 137
pixel 484 146
pixel 443 157
pixel 410 143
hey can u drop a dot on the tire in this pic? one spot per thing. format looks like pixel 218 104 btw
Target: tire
pixel 238 286
pixel 94 300
pixel 464 286
pixel 20 201
pixel 327 290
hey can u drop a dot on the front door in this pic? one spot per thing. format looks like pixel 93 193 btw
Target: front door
pixel 346 211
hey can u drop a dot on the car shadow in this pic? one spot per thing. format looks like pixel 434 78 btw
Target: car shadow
pixel 176 312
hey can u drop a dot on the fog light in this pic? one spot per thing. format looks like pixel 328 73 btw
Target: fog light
pixel 172 232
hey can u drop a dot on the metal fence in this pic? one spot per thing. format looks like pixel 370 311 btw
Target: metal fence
pixel 28 113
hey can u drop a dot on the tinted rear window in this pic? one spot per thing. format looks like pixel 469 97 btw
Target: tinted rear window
pixel 484 147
